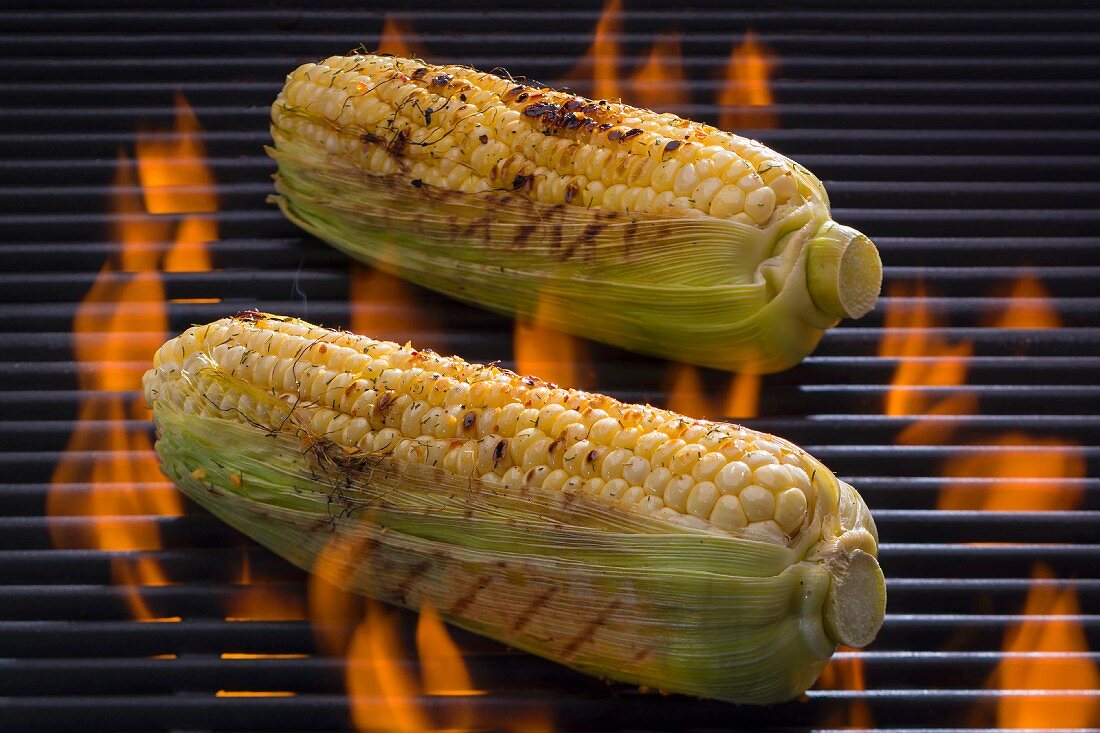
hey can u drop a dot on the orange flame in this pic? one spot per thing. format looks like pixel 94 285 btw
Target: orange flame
pixel 926 360
pixel 1029 306
pixel 600 64
pixel 441 663
pixel 659 83
pixel 386 307
pixel 381 691
pixel 688 395
pixel 543 351
pixel 108 474
pixel 745 98
pixel 846 673
pixel 1045 652
pixel 1032 474
pixel 260 601
pixel 400 39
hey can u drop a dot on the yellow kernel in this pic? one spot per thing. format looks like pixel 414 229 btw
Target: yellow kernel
pixel 790 510
pixel 760 204
pixel 728 514
pixel 677 491
pixel 773 477
pixel 727 202
pixel 758 502
pixel 701 500
pixel 708 465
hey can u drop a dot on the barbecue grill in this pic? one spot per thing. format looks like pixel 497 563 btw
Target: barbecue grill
pixel 966 408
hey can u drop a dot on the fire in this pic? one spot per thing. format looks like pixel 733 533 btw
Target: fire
pixel 441 663
pixel 386 307
pixel 659 83
pixel 688 395
pixel 600 64
pixel 925 360
pixel 845 672
pixel 261 601
pixel 545 352
pixel 1048 652
pixel 400 39
pixel 382 691
pixel 1029 306
pixel 745 98
pixel 1024 473
pixel 172 167
pixel 108 479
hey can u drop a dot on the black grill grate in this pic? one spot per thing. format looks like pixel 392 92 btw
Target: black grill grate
pixel 961 136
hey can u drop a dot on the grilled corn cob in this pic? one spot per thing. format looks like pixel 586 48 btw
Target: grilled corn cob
pixel 621 540
pixel 643 230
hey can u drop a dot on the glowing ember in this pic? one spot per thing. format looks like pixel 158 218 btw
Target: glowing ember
pixel 746 98
pixel 600 64
pixel 1048 652
pixel 659 83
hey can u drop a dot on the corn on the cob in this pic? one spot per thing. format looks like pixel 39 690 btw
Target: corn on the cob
pixel 622 540
pixel 646 230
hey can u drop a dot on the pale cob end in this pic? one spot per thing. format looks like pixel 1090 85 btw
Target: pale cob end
pixel 656 233
pixel 626 507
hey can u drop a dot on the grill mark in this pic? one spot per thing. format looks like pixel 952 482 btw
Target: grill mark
pixel 467 600
pixel 590 630
pixel 414 574
pixel 524 233
pixel 532 608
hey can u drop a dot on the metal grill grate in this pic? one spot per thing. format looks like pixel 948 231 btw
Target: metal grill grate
pixel 962 139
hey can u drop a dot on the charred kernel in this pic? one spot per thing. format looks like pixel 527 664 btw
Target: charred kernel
pixel 419 73
pixel 672 145
pixel 468 421
pixel 631 133
pixel 484 139
pixel 614 134
pixel 523 97
pixel 441 79
pixel 416 182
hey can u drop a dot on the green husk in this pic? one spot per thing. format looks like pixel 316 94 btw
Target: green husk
pixel 691 288
pixel 571 579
